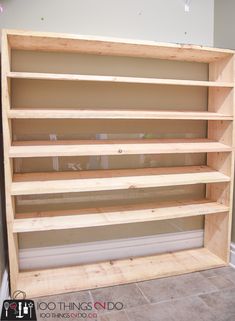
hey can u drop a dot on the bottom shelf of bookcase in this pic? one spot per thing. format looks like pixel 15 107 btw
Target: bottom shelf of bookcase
pixel 109 273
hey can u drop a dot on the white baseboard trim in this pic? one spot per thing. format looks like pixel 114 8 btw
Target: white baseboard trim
pixel 232 255
pixel 73 254
pixel 4 289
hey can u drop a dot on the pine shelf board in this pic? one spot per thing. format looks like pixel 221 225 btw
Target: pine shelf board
pixel 85 181
pixel 24 149
pixel 77 278
pixel 20 113
pixel 53 42
pixel 118 79
pixel 113 215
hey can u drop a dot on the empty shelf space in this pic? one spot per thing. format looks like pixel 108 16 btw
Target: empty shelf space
pixel 70 219
pixel 76 278
pixel 118 79
pixel 114 114
pixel 23 149
pixel 85 181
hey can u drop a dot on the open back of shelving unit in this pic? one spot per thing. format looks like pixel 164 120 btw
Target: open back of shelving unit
pixel 216 174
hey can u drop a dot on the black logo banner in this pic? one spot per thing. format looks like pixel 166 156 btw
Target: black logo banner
pixel 18 310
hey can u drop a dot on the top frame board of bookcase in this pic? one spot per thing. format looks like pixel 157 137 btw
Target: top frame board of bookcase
pixel 24 40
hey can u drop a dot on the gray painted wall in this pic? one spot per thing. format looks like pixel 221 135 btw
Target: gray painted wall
pixel 2 223
pixel 2 255
pixel 224 37
pixel 224 31
pixel 143 19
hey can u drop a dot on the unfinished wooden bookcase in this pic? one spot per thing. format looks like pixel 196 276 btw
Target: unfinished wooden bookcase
pixel 217 174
